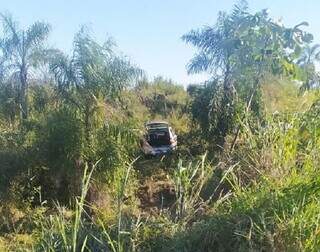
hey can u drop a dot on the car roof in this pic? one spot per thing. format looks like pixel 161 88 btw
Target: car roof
pixel 157 122
pixel 157 125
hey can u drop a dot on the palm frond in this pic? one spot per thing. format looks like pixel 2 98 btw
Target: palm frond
pixel 37 33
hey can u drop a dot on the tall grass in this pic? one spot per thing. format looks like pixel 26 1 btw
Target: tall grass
pixel 58 232
pixel 120 244
pixel 83 232
pixel 275 184
pixel 190 183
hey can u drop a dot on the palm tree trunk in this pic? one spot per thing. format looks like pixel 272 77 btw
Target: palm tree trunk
pixel 24 93
pixel 223 124
pixel 88 135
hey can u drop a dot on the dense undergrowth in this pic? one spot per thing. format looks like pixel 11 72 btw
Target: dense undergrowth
pixel 277 208
pixel 263 195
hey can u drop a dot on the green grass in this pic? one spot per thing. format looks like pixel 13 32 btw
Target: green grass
pixel 261 196
pixel 266 217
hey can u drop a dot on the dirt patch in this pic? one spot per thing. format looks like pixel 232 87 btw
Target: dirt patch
pixel 155 197
pixel 156 192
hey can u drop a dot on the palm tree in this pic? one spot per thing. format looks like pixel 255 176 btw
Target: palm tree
pixel 309 57
pixel 91 75
pixel 239 51
pixel 21 50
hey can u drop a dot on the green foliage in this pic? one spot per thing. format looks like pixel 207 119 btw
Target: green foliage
pixel 42 99
pixel 189 182
pixel 310 56
pixel 274 203
pixel 61 138
pixel 13 155
pixel 162 96
pixel 283 96
pixel 9 103
pixel 239 50
pixel 214 119
pixel 93 74
pixel 21 51
pixel 265 217
pixel 75 233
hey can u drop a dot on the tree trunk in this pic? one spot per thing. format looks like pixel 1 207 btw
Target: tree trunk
pixel 24 93
pixel 88 136
pixel 224 120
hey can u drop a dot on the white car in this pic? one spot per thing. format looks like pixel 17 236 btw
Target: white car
pixel 159 139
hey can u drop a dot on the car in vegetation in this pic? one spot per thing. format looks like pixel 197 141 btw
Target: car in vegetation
pixel 159 139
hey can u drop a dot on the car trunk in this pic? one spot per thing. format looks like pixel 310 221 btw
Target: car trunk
pixel 157 138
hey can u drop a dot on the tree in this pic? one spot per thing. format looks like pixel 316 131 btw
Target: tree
pixel 21 51
pixel 239 51
pixel 90 76
pixel 310 56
